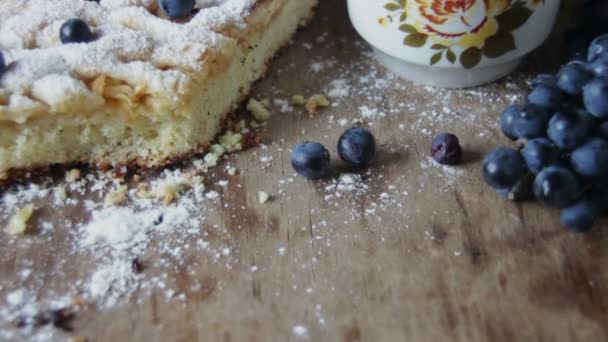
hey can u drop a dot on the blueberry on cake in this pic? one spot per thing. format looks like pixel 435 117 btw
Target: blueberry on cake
pixel 129 82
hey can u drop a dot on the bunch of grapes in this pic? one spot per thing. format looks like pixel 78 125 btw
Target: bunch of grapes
pixel 563 134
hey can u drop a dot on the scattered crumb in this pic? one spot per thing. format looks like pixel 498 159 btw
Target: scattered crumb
pixel 168 191
pixel 18 224
pixel 143 191
pixel 315 102
pixel 258 110
pixel 263 197
pixel 231 141
pixel 116 197
pixel 298 100
pixel 265 102
pixel 73 175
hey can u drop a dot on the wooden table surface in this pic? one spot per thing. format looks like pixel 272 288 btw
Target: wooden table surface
pixel 409 252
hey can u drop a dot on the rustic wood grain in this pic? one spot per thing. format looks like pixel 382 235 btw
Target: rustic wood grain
pixel 453 263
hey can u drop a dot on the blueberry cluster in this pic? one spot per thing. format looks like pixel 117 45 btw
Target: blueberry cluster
pixel 356 146
pixel 564 132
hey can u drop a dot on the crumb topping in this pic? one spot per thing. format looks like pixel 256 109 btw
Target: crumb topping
pixel 18 224
pixel 133 53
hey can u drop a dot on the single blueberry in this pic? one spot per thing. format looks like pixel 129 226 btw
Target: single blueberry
pixel 357 147
pixel 579 216
pixel 540 153
pixel 595 97
pixel 572 77
pixel 548 80
pixel 310 160
pixel 599 67
pixel 546 96
pixel 556 186
pixel 598 48
pixel 177 8
pixel 445 149
pixel 591 159
pixel 75 31
pixel 603 131
pixel 507 118
pixel 504 168
pixel 570 128
pixel 530 122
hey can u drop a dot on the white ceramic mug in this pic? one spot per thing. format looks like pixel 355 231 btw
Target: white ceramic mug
pixel 453 43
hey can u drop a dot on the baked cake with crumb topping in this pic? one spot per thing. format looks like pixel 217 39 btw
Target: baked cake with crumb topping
pixel 146 87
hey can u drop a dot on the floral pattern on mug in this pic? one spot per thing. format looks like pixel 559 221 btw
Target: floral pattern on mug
pixel 477 27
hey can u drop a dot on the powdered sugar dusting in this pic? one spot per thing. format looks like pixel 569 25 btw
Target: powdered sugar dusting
pixel 132 44
pixel 185 235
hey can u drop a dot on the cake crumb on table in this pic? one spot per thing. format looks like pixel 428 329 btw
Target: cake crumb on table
pixel 258 110
pixel 315 102
pixel 18 224
pixel 116 197
pixel 73 175
pixel 298 100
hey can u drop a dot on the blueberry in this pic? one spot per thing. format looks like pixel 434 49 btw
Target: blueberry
pixel 591 159
pixel 569 129
pixel 546 96
pixel 595 97
pixel 504 168
pixel 572 77
pixel 544 79
pixel 177 8
pixel 599 67
pixel 528 121
pixel 75 31
pixel 603 131
pixel 579 216
pixel 556 186
pixel 310 160
pixel 357 147
pixel 445 149
pixel 540 153
pixel 598 48
pixel 507 118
